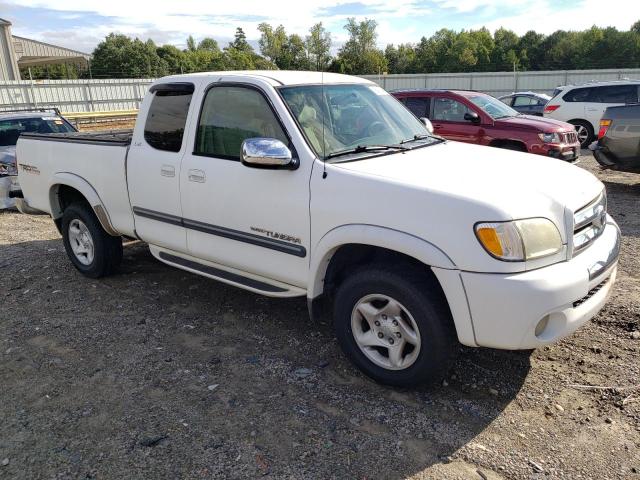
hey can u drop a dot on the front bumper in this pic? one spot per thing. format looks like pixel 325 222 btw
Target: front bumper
pixel 538 307
pixel 7 184
pixel 569 153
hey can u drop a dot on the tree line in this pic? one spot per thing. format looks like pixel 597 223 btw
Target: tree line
pixel 119 56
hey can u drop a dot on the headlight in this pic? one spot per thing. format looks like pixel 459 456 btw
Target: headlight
pixel 549 137
pixel 519 240
pixel 8 169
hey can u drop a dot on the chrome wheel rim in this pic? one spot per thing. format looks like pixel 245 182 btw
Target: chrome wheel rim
pixel 385 332
pixel 583 134
pixel 81 242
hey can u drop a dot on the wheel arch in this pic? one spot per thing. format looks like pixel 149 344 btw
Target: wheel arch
pixel 500 142
pixel 370 236
pixel 583 120
pixel 65 188
pixel 350 241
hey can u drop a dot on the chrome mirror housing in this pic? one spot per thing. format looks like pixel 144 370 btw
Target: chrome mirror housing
pixel 427 123
pixel 260 152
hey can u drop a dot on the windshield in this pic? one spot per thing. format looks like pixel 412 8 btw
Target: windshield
pixel 11 129
pixel 350 116
pixel 493 107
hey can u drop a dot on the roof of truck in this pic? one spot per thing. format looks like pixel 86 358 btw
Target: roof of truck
pixel 276 77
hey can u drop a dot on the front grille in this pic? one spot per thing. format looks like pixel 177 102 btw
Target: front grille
pixel 569 137
pixel 589 223
pixel 591 293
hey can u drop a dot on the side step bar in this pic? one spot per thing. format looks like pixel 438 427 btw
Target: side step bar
pixel 235 279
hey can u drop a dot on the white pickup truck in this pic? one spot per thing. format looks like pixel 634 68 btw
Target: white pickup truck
pixel 323 185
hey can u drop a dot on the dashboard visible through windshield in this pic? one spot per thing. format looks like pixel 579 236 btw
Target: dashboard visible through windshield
pixel 338 118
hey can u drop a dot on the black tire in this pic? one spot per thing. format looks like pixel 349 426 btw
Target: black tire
pixel 423 299
pixel 107 249
pixel 588 129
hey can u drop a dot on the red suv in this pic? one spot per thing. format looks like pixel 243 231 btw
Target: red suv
pixel 475 117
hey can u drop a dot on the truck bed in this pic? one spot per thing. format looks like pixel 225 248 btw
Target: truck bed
pixel 113 137
pixel 92 163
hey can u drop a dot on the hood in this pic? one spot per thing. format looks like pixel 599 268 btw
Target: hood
pixel 8 154
pixel 529 122
pixel 520 185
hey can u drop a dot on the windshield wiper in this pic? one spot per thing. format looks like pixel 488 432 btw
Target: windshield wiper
pixel 365 149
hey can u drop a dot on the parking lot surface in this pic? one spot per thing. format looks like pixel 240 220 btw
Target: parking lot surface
pixel 157 373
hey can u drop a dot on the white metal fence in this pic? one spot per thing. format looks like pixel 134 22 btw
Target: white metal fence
pixel 126 94
pixel 501 83
pixel 74 95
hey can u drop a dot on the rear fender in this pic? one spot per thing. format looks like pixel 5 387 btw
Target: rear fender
pixel 86 190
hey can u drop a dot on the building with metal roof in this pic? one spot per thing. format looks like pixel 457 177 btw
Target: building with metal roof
pixel 17 52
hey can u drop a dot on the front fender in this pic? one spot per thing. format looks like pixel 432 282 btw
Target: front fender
pixel 376 236
pixel 88 192
pixel 429 254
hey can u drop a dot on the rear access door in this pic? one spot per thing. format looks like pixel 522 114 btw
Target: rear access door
pixel 153 166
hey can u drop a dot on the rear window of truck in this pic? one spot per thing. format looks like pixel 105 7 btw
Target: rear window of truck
pixel 167 117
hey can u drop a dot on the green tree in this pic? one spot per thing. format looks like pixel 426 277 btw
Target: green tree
pixel 174 58
pixel 505 52
pixel 208 44
pixel 191 44
pixel 117 56
pixel 318 44
pixel 401 59
pixel 360 55
pixel 273 43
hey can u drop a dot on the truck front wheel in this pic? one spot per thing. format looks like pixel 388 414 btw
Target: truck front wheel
pixel 92 251
pixel 395 325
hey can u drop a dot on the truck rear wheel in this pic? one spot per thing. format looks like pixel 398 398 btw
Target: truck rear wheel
pixel 92 251
pixel 397 328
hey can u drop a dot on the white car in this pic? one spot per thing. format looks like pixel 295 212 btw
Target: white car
pixel 583 105
pixel 323 185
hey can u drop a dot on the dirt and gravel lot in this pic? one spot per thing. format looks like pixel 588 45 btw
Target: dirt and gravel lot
pixel 157 373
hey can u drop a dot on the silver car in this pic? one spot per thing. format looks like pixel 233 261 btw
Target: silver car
pixel 12 124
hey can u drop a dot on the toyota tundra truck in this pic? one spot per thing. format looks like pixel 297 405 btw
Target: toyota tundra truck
pixel 323 185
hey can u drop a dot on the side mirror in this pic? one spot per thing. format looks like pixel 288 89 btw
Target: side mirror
pixel 472 117
pixel 427 124
pixel 262 152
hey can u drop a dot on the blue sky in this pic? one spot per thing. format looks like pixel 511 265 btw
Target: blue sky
pixel 81 24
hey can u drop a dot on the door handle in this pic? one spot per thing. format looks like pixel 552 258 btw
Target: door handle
pixel 197 176
pixel 168 171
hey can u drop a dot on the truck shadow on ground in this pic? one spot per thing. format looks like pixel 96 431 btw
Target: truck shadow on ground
pixel 158 372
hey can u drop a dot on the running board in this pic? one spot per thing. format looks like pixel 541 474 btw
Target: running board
pixel 235 278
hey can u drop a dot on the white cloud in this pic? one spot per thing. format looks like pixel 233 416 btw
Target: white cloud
pixel 400 21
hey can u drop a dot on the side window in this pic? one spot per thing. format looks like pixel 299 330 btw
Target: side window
pixel 166 119
pixel 524 101
pixel 617 94
pixel 418 106
pixel 578 95
pixel 229 116
pixel 449 110
pixel 506 100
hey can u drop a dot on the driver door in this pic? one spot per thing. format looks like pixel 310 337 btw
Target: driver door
pixel 251 219
pixel 448 121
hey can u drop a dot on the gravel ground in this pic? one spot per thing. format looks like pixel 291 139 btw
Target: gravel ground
pixel 157 373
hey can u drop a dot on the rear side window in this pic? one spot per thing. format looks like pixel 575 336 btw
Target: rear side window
pixel 418 106
pixel 616 94
pixel 167 117
pixel 522 101
pixel 229 116
pixel 578 95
